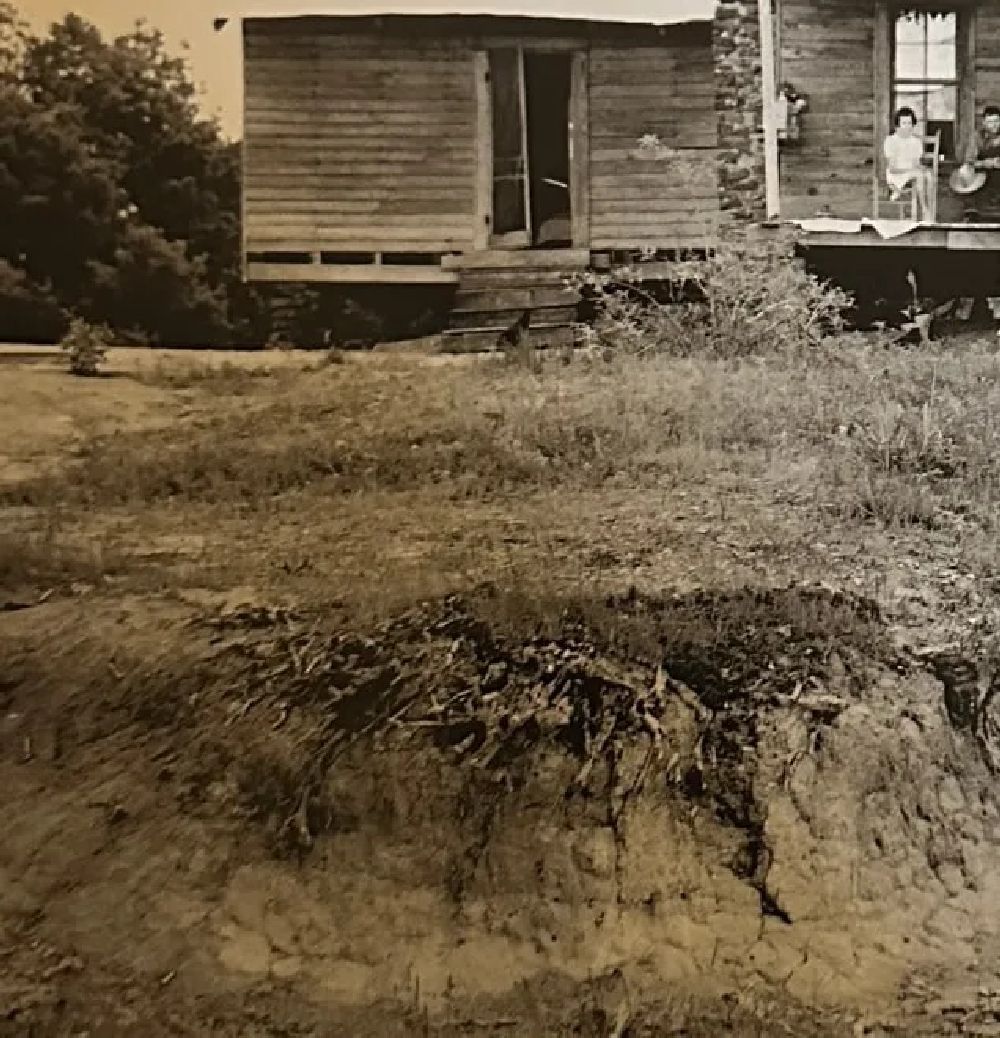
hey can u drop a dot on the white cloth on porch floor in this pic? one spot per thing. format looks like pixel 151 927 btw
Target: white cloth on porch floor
pixel 893 228
pixel 833 224
pixel 827 224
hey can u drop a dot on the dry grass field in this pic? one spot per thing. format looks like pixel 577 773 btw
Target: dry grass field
pixel 379 694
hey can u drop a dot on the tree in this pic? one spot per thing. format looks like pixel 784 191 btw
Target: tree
pixel 13 43
pixel 139 110
pixel 116 197
pixel 60 204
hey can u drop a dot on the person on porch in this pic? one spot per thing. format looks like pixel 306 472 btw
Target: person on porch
pixel 979 175
pixel 986 147
pixel 904 155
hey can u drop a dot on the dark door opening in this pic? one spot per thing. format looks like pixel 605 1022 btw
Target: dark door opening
pixel 547 88
pixel 530 101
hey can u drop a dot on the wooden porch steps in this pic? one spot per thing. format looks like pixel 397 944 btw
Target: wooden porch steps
pixel 496 288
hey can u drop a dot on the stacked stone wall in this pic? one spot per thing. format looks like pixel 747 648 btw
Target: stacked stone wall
pixel 736 47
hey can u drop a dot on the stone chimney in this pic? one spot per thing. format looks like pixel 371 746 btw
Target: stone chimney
pixel 736 49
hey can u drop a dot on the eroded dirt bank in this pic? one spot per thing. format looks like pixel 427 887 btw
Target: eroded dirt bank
pixel 746 813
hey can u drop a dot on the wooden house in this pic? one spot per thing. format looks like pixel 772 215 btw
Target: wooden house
pixel 490 151
pixel 494 150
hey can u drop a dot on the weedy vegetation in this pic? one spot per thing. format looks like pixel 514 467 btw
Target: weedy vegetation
pixel 741 369
pixel 743 298
pixel 515 526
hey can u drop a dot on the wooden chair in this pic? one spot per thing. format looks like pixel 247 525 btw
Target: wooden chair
pixel 906 205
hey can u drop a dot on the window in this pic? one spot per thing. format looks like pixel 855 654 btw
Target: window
pixel 925 71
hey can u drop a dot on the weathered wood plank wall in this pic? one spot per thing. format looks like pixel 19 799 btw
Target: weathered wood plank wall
pixel 827 52
pixel 368 143
pixel 987 59
pixel 355 143
pixel 665 90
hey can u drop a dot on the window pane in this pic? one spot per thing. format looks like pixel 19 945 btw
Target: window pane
pixel 941 35
pixel 925 46
pixel 911 46
pixel 942 104
pixel 932 103
pixel 911 28
pixel 936 108
pixel 910 61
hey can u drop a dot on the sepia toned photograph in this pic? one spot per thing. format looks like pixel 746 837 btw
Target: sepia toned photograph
pixel 499 518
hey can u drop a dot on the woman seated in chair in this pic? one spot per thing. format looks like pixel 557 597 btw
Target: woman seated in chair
pixel 904 154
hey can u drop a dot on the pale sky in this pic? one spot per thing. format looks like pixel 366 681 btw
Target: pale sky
pixel 215 56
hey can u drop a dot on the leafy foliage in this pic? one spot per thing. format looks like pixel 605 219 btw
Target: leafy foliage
pixel 28 310
pixel 59 202
pixel 86 347
pixel 148 274
pixel 117 199
pixel 746 297
pixel 13 36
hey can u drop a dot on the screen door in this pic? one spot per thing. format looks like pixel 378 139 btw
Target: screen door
pixel 511 224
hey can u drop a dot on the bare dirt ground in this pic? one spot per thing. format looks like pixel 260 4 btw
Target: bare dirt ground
pixel 416 695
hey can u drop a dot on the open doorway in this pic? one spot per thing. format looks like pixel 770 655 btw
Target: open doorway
pixel 530 100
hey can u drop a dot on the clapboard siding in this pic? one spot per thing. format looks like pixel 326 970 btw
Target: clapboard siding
pixel 827 53
pixel 665 201
pixel 357 142
pixel 368 142
pixel 988 55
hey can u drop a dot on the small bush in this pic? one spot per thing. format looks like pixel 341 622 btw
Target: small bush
pixel 151 288
pixel 910 440
pixel 333 356
pixel 86 347
pixel 895 501
pixel 278 340
pixel 746 298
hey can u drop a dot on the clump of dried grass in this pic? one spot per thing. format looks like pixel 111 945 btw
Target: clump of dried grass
pixel 226 379
pixel 49 558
